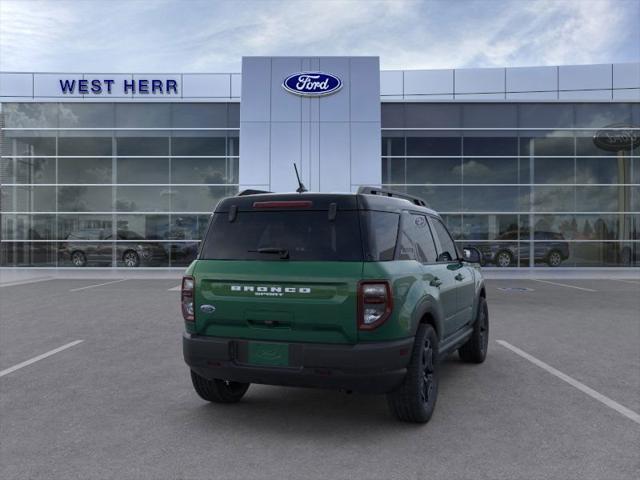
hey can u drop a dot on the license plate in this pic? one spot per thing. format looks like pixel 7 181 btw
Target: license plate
pixel 269 354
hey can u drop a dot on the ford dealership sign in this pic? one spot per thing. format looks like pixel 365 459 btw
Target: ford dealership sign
pixel 312 84
pixel 616 138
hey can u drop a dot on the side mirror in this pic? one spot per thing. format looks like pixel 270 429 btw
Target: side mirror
pixel 472 255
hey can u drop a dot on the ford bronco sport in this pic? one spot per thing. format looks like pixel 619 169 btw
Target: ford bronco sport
pixel 362 292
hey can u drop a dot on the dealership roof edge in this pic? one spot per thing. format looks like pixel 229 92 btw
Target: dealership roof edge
pixel 611 82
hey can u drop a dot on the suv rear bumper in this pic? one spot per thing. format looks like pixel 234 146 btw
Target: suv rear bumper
pixel 367 367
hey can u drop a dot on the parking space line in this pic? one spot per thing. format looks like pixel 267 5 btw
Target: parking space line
pixel 26 282
pixel 38 358
pixel 175 289
pixel 625 281
pixel 98 285
pixel 564 285
pixel 574 383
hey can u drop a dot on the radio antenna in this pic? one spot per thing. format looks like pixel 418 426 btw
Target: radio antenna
pixel 301 188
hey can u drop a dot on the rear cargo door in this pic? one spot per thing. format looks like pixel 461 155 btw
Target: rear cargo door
pixel 282 271
pixel 280 301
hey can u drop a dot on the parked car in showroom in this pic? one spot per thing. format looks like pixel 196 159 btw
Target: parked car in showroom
pixel 95 246
pixel 549 247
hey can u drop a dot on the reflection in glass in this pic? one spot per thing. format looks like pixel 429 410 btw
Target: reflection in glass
pixel 204 199
pixel 142 170
pixel 28 227
pixel 84 170
pixel 203 170
pixel 27 170
pixel 83 198
pixel 143 199
pixel 148 227
pixel 27 198
pixel 434 170
pixel 494 199
pixel 85 146
pixel 183 253
pixel 88 226
pixel 28 254
pixel 490 170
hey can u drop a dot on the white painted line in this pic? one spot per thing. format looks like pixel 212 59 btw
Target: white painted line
pixel 574 383
pixel 98 285
pixel 175 289
pixel 564 285
pixel 25 282
pixel 625 281
pixel 38 358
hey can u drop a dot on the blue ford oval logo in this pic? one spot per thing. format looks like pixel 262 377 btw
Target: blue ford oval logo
pixel 207 308
pixel 312 84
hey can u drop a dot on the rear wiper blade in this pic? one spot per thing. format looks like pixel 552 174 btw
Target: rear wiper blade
pixel 283 252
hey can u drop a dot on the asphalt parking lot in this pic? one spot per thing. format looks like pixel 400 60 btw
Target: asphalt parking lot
pixel 119 404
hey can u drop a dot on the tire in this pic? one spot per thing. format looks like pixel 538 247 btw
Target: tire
pixel 218 391
pixel 554 259
pixel 503 259
pixel 130 259
pixel 475 350
pixel 415 399
pixel 78 259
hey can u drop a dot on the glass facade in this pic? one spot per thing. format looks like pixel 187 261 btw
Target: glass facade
pixel 133 184
pixel 113 184
pixel 524 183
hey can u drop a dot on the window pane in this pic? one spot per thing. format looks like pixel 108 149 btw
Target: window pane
pixel 28 254
pixel 28 227
pixel 494 199
pixel 554 199
pixel 30 115
pixel 183 253
pixel 490 170
pixel 487 146
pixel 382 232
pixel 84 170
pixel 198 146
pixel 147 227
pixel 187 227
pixel 393 146
pixel 84 199
pixel 490 227
pixel 393 170
pixel 447 250
pixel 199 199
pixel 143 199
pixel 602 199
pixel 433 146
pixel 434 170
pixel 553 170
pixel 202 170
pixel 81 146
pixel 13 145
pixel 142 146
pixel 199 115
pixel 74 115
pixel 84 226
pixel 143 170
pixel 27 170
pixel 442 199
pixel 146 115
pixel 603 170
pixel 27 199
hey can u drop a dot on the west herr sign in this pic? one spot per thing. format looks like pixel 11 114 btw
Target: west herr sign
pixel 98 86
pixel 312 84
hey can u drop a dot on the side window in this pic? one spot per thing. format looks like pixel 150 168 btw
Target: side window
pixel 447 251
pixel 426 248
pixel 416 242
pixel 381 231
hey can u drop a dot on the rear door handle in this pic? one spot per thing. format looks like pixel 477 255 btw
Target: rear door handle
pixel 459 277
pixel 435 282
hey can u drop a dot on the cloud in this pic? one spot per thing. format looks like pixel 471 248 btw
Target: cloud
pixel 168 35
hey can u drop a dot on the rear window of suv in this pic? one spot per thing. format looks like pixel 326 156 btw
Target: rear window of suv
pixel 304 235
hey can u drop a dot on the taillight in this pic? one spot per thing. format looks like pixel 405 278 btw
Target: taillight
pixel 186 299
pixel 375 303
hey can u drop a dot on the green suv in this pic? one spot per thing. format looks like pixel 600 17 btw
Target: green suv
pixel 362 292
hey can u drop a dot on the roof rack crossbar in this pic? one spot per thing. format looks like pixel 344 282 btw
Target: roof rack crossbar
pixel 390 193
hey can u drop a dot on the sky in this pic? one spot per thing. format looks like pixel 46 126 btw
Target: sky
pixel 149 36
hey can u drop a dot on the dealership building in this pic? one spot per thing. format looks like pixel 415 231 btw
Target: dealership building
pixel 535 166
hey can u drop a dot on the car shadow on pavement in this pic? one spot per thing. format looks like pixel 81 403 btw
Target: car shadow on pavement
pixel 292 411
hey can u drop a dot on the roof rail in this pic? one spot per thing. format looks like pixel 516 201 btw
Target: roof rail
pixel 390 193
pixel 250 191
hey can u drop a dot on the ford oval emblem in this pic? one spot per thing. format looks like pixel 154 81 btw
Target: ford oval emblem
pixel 618 137
pixel 312 84
pixel 207 308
